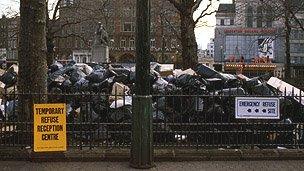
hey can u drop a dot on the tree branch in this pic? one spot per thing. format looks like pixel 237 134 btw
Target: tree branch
pixel 56 9
pixel 203 13
pixel 68 24
pixel 73 35
pixel 176 4
pixel 171 26
pixel 196 5
pixel 297 20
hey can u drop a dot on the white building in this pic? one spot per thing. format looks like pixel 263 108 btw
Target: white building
pixel 210 48
pixel 82 56
pixel 204 58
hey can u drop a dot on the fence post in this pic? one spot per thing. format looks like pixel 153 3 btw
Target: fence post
pixel 142 140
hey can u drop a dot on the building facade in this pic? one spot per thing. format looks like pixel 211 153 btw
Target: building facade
pixel 241 33
pixel 9 37
pixel 3 36
pixel 297 44
pixel 205 58
pixel 118 17
pixel 247 33
pixel 82 56
pixel 210 48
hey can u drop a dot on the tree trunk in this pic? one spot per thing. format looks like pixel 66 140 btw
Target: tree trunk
pixel 50 50
pixel 32 56
pixel 188 41
pixel 287 39
pixel 49 40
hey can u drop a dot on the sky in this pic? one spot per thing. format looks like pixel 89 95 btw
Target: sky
pixel 204 32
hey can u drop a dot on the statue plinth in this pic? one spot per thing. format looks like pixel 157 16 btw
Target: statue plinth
pixel 100 54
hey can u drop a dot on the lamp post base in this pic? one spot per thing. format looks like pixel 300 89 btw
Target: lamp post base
pixel 142 140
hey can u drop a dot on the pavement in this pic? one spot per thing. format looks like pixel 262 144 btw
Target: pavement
pixel 288 165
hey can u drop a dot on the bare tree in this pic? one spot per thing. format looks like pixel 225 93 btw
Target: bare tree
pixel 186 9
pixel 74 24
pixel 165 29
pixel 55 25
pixel 32 56
pixel 286 11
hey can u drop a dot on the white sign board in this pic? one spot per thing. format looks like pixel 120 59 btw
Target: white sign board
pixel 257 108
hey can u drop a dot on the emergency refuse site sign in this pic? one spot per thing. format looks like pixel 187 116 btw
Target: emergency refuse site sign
pixel 257 108
pixel 49 127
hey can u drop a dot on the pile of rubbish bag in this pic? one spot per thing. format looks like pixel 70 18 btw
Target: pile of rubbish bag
pixel 103 94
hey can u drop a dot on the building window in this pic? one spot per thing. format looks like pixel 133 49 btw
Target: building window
pixel 249 16
pixel 128 27
pixel 302 60
pixel 84 59
pixel 295 34
pixel 231 22
pixel 269 17
pixel 153 43
pixel 132 42
pixel 127 11
pixel 222 22
pixel 248 46
pixel 259 16
pixel 295 60
pixel 297 47
pixel 292 47
pixel 173 43
pixel 67 2
pixel 301 34
pixel 301 48
pixel 134 11
pixel 123 43
pixel 81 44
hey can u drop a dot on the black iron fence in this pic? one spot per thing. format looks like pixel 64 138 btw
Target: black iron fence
pixel 202 121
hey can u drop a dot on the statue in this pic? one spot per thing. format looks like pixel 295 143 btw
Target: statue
pixel 101 37
pixel 100 48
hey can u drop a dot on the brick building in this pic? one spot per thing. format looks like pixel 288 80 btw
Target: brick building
pixel 9 37
pixel 78 20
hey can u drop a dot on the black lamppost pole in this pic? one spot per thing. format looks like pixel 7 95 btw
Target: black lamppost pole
pixel 142 141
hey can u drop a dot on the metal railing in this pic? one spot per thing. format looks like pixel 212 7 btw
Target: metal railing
pixel 207 121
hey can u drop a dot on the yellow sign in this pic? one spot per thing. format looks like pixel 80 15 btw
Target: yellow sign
pixel 49 127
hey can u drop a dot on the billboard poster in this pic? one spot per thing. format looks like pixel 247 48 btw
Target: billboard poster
pixel 266 48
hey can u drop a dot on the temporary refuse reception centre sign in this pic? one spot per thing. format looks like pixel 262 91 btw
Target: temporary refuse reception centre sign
pixel 49 127
pixel 257 108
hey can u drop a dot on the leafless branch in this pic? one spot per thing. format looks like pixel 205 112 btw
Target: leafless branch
pixel 205 13
pixel 56 9
pixel 297 20
pixel 68 23
pixel 196 5
pixel 176 4
pixel 176 33
pixel 72 35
